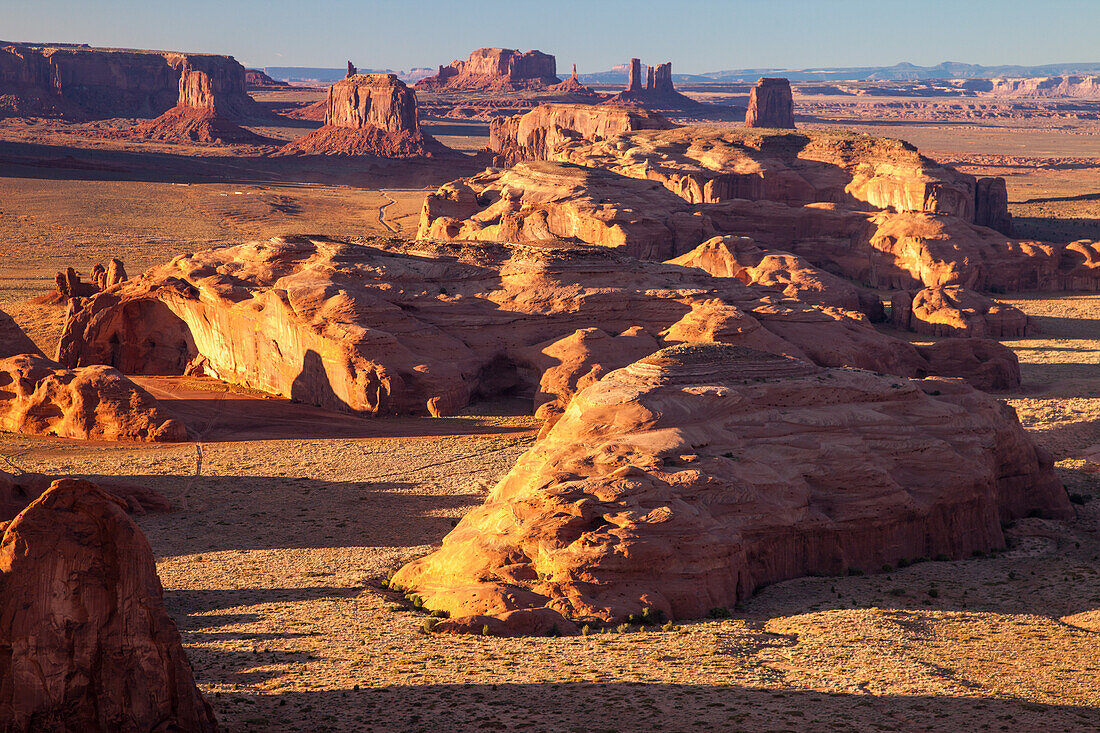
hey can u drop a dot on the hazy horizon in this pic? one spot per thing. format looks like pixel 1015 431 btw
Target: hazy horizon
pixel 694 35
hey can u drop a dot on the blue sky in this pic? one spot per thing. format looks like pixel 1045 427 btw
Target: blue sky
pixel 696 36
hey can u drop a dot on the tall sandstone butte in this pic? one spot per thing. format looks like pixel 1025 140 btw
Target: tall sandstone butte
pixel 368 114
pixel 85 641
pixel 771 104
pixel 687 479
pixel 656 93
pixel 496 69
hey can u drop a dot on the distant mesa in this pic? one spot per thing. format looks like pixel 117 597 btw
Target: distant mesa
pixel 373 114
pixel 496 69
pixel 656 93
pixel 771 104
pixel 259 80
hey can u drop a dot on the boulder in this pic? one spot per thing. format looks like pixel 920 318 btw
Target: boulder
pixel 771 104
pixel 685 480
pixel 40 397
pixel 368 114
pixel 401 327
pixel 85 641
pixel 496 69
pixel 956 311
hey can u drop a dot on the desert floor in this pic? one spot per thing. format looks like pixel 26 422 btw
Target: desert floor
pixel 271 564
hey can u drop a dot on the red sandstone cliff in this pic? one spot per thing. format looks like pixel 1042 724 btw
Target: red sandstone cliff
pixel 771 104
pixel 496 69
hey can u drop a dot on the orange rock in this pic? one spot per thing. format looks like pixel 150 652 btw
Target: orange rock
pixel 1079 268
pixel 686 480
pixel 392 326
pixel 85 642
pixel 496 69
pixel 956 311
pixel 40 397
pixel 368 114
pixel 771 104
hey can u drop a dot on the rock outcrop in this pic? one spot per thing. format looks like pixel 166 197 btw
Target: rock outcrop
pixel 13 340
pixel 85 641
pixel 1079 267
pixel 771 104
pixel 537 134
pixel 545 201
pixel 19 490
pixel 991 205
pixel 69 284
pixel 368 114
pixel 572 87
pixel 79 81
pixel 496 69
pixel 657 93
pixel 956 311
pixel 1082 87
pixel 395 326
pixel 212 100
pixel 40 397
pixel 686 480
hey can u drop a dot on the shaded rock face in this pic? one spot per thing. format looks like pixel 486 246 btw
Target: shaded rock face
pixel 424 327
pixel 686 480
pixel 991 205
pixel 19 490
pixel 496 69
pixel 40 397
pixel 656 92
pixel 368 114
pixel 1079 268
pixel 88 82
pixel 535 135
pixel 13 340
pixel 956 311
pixel 771 104
pixel 546 201
pixel 85 641
pixel 258 79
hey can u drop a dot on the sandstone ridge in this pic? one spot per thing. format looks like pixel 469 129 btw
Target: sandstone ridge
pixel 684 481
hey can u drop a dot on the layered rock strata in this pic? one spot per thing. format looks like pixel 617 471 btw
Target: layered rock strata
pixel 368 114
pixel 424 327
pixel 85 641
pixel 684 481
pixel 771 104
pixel 496 69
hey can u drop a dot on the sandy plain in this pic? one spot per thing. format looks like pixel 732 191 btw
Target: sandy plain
pixel 272 562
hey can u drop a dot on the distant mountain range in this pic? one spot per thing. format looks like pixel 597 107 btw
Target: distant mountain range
pixel 618 74
pixel 897 72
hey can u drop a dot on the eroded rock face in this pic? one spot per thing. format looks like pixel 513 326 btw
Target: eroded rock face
pixel 368 114
pixel 657 92
pixel 496 69
pixel 545 201
pixel 991 205
pixel 687 479
pixel 536 134
pixel 1079 268
pixel 102 82
pixel 956 311
pixel 423 327
pixel 771 104
pixel 85 642
pixel 40 397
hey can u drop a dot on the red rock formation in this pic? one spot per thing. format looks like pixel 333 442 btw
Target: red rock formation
pixel 422 327
pixel 98 82
pixel 371 114
pixel 257 79
pixel 19 490
pixel 771 104
pixel 13 340
pixel 985 364
pixel 956 311
pixel 352 71
pixel 39 397
pixel 658 92
pixel 686 480
pixel 573 88
pixel 69 284
pixel 1084 87
pixel 536 134
pixel 991 205
pixel 496 69
pixel 85 641
pixel 1079 268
